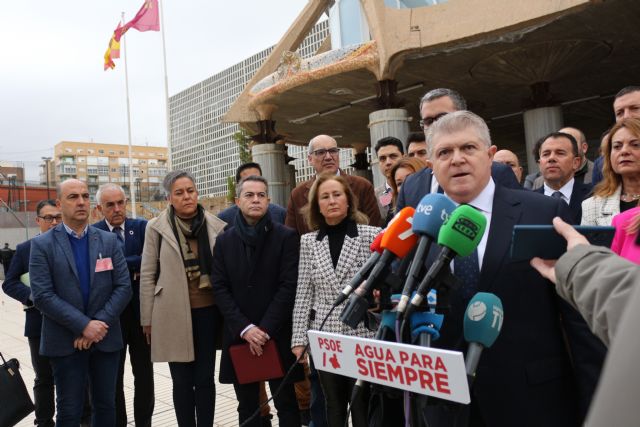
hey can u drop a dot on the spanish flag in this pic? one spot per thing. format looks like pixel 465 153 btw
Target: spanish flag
pixel 147 19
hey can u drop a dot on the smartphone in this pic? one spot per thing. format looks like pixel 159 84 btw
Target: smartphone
pixel 543 241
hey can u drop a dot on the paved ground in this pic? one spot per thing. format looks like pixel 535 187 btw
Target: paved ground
pixel 14 344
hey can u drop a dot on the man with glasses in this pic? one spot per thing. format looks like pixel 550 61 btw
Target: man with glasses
pixel 112 203
pixel 16 285
pixel 434 105
pixel 324 156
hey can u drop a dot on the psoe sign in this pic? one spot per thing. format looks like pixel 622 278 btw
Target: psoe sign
pixel 431 371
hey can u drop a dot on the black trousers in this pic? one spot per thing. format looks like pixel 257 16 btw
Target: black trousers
pixel 337 394
pixel 194 389
pixel 285 402
pixel 140 358
pixel 43 388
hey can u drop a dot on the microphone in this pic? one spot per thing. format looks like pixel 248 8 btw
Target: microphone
pixel 432 211
pixel 397 241
pixel 482 324
pixel 360 275
pixel 459 235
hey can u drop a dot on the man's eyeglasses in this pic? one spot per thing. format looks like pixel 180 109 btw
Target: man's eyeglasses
pixel 323 152
pixel 428 121
pixel 49 219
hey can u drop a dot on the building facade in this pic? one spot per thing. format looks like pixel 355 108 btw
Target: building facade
pixel 98 164
pixel 202 144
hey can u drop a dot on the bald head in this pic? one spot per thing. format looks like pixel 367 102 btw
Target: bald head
pixel 323 154
pixel 579 136
pixel 73 201
pixel 510 159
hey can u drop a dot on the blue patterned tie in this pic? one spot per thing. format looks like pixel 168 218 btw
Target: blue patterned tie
pixel 467 270
pixel 118 231
pixel 558 195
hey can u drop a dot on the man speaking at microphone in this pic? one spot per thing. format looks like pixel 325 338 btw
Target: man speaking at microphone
pixel 526 377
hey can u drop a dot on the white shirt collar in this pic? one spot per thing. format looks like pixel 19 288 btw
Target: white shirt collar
pixel 566 190
pixel 73 233
pixel 484 200
pixel 111 226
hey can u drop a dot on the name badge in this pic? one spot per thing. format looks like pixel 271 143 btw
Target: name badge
pixel 103 264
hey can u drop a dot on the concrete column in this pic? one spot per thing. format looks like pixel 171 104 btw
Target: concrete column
pixel 271 158
pixel 382 123
pixel 538 123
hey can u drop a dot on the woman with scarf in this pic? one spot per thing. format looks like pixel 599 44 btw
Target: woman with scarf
pixel 177 308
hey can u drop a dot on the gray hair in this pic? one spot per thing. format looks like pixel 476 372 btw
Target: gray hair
pixel 108 186
pixel 312 140
pixel 251 178
pixel 172 177
pixel 455 122
pixel 458 100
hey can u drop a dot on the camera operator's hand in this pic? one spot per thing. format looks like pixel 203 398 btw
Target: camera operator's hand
pixel 547 267
pixel 298 351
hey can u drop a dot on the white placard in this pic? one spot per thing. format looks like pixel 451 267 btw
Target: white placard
pixel 431 371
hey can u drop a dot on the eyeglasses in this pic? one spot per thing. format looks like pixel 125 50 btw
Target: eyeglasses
pixel 323 152
pixel 428 121
pixel 49 219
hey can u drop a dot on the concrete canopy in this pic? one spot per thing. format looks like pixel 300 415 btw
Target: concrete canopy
pixel 503 56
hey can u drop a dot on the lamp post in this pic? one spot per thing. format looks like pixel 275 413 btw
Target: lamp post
pixel 46 165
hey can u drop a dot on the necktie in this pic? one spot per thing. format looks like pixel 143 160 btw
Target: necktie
pixel 557 195
pixel 118 231
pixel 467 270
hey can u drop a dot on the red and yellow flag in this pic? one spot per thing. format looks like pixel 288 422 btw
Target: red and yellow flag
pixel 147 19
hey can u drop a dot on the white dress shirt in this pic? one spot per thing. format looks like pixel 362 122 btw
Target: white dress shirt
pixel 566 190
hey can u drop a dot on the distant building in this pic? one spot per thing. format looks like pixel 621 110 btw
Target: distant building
pixel 98 164
pixel 202 144
pixel 10 173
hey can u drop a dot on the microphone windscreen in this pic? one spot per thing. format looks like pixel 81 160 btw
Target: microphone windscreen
pixel 375 245
pixel 432 211
pixel 483 319
pixel 463 230
pixel 398 237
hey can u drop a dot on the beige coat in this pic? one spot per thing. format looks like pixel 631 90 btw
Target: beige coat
pixel 165 305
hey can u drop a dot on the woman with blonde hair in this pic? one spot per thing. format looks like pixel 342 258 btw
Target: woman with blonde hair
pixel 329 257
pixel 619 189
pixel 400 171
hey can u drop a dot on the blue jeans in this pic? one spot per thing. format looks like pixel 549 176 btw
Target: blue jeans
pixel 71 374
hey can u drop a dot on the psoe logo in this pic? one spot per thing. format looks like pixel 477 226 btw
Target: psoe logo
pixel 477 311
pixel 466 227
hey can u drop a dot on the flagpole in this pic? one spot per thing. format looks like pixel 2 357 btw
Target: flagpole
pixel 132 189
pixel 166 84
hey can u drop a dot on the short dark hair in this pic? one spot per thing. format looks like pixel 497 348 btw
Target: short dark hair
pixel 244 166
pixel 251 178
pixel 626 90
pixel 458 100
pixel 415 137
pixel 572 140
pixel 43 203
pixel 389 140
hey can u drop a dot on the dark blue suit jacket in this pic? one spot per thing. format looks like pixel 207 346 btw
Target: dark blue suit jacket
pixel 17 290
pixel 579 193
pixel 526 378
pixel 134 230
pixel 277 212
pixel 56 290
pixel 418 185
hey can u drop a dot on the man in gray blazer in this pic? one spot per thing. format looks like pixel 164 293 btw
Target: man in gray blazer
pixel 80 283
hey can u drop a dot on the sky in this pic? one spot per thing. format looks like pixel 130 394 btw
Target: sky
pixel 53 87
